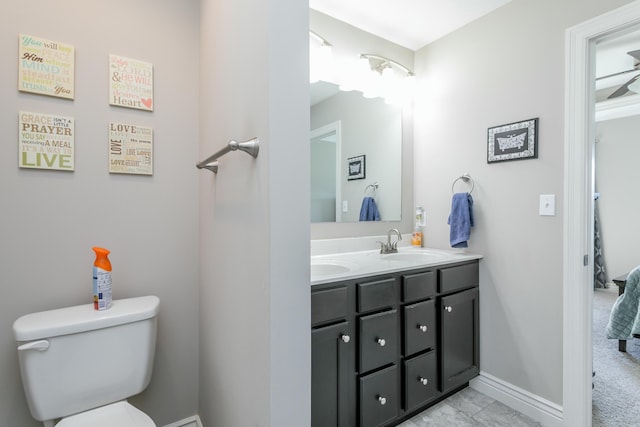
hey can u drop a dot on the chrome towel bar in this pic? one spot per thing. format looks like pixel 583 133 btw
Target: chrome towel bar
pixel 251 147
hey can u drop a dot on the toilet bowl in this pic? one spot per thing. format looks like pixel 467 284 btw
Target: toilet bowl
pixel 81 365
pixel 120 414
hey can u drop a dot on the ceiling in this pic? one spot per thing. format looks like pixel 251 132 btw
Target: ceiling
pixel 409 23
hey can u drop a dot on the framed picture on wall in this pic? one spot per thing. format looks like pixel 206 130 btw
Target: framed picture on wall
pixel 514 141
pixel 356 167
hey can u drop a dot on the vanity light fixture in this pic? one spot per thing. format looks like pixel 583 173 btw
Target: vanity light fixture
pixel 319 38
pixel 390 80
pixel 320 67
pixel 380 64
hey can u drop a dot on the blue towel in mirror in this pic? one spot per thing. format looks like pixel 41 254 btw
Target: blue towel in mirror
pixel 369 210
pixel 460 219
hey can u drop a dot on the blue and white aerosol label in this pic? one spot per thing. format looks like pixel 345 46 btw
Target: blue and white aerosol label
pixel 101 289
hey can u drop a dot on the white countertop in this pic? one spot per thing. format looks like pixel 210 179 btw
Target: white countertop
pixel 334 267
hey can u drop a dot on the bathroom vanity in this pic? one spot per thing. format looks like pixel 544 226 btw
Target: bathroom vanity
pixel 391 335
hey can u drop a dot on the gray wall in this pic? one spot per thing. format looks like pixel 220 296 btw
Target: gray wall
pixel 617 153
pixel 506 67
pixel 254 215
pixel 50 219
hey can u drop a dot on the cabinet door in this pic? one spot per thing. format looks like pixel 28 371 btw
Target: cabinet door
pixel 459 334
pixel 331 355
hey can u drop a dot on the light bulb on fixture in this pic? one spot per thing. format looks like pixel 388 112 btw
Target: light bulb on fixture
pixel 391 80
pixel 320 58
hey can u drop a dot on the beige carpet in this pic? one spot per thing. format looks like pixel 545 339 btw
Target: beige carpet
pixel 616 393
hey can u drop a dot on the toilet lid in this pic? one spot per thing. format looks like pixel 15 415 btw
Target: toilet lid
pixel 120 414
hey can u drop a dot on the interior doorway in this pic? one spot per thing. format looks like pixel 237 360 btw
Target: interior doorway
pixel 326 178
pixel 578 198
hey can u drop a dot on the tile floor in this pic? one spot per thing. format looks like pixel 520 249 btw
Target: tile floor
pixel 469 408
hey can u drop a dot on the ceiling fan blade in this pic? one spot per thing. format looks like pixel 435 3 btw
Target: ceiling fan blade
pixel 619 73
pixel 635 54
pixel 623 89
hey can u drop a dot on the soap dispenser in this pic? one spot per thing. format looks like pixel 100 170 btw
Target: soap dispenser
pixel 420 222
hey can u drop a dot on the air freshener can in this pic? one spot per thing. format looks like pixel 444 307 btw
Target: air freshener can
pixel 101 279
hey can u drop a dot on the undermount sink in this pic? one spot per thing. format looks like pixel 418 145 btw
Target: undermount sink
pixel 329 268
pixel 414 256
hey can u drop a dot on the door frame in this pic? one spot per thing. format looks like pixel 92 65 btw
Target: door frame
pixel 326 130
pixel 578 200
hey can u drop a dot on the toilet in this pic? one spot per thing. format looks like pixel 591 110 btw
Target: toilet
pixel 80 365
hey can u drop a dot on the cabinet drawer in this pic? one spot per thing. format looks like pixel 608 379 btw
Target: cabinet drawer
pixel 419 327
pixel 419 286
pixel 420 379
pixel 460 277
pixel 376 295
pixel 379 397
pixel 378 340
pixel 330 304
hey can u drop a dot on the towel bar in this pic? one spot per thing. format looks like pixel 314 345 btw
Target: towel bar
pixel 251 147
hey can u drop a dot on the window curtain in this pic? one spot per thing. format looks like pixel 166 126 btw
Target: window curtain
pixel 599 270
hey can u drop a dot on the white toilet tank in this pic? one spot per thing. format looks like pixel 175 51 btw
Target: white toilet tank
pixel 77 358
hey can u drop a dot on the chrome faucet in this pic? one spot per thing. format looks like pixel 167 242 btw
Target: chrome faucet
pixel 390 248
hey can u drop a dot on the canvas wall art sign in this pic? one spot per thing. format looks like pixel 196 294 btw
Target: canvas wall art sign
pixel 46 141
pixel 45 67
pixel 130 149
pixel 130 83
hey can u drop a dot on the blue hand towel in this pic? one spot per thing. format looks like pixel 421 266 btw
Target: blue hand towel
pixel 460 219
pixel 369 210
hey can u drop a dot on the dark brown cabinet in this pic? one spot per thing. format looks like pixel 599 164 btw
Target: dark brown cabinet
pixel 459 346
pixel 420 380
pixel 330 375
pixel 379 397
pixel 378 340
pixel 388 346
pixel 332 357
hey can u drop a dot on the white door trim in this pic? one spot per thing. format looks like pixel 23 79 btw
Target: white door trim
pixel 578 201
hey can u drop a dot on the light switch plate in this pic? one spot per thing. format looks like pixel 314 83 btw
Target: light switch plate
pixel 345 206
pixel 547 204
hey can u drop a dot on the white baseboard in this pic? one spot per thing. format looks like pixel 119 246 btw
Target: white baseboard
pixel 187 422
pixel 545 412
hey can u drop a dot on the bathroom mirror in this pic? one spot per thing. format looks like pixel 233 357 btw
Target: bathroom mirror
pixel 349 42
pixel 347 131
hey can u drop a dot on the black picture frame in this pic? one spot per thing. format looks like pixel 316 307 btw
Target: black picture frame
pixel 513 141
pixel 356 167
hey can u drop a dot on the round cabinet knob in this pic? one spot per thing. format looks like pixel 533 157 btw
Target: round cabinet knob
pixel 345 338
pixel 382 400
pixel 382 342
pixel 423 381
pixel 422 328
pixel 448 308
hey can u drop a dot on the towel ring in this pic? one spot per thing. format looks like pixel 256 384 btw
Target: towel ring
pixel 373 186
pixel 466 178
